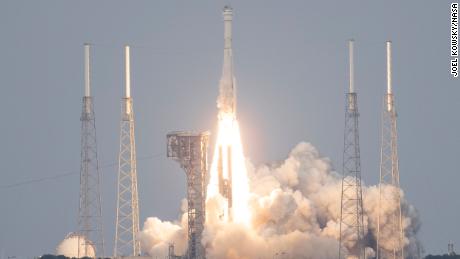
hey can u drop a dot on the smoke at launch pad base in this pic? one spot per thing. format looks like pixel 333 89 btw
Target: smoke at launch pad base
pixel 295 211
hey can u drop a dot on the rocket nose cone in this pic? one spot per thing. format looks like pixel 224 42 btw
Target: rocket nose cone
pixel 228 11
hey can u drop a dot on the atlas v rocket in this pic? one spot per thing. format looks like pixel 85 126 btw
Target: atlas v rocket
pixel 226 104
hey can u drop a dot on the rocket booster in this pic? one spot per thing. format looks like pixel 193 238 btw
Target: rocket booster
pixel 226 102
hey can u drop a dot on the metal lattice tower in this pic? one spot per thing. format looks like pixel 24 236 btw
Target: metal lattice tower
pixel 127 224
pixel 450 249
pixel 351 210
pixel 190 151
pixel 389 190
pixel 90 211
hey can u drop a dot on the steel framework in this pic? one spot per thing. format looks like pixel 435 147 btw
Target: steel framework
pixel 127 221
pixel 450 249
pixel 90 211
pixel 171 253
pixel 190 151
pixel 389 188
pixel 351 210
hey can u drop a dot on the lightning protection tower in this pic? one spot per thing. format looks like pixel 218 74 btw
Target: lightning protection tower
pixel 190 151
pixel 90 211
pixel 389 189
pixel 351 210
pixel 127 225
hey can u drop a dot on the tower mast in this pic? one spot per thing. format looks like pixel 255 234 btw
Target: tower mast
pixel 127 222
pixel 90 211
pixel 351 210
pixel 190 150
pixel 389 189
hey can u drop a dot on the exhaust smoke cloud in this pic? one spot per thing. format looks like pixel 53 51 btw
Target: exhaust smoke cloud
pixel 295 210
pixel 76 246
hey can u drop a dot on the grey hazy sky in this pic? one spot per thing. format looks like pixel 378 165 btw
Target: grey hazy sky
pixel 291 66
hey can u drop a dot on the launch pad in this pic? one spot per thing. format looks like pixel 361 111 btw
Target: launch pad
pixel 227 184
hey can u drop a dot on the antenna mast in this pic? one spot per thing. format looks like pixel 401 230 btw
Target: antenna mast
pixel 90 211
pixel 389 178
pixel 351 210
pixel 127 225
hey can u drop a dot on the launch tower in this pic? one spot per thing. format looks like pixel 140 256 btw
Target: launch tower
pixel 389 178
pixel 90 211
pixel 190 151
pixel 351 210
pixel 127 224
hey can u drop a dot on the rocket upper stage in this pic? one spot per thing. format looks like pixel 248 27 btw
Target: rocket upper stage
pixel 226 102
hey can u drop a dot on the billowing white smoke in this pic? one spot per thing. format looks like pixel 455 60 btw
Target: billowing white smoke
pixel 295 208
pixel 73 246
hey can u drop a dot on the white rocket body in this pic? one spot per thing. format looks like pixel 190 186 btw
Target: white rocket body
pixel 226 102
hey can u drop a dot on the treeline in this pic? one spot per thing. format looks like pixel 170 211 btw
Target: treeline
pixel 442 256
pixel 56 257
pixel 63 257
pixel 426 257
